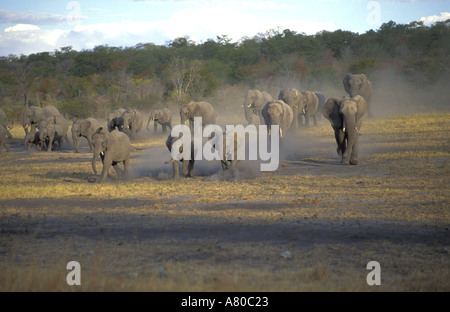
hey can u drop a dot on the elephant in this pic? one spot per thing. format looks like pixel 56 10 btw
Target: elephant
pixel 322 98
pixel 229 162
pixel 311 107
pixel 345 115
pixel 33 138
pixel 57 120
pixel 198 109
pixel 132 122
pixel 4 120
pixel 254 103
pixel 84 128
pixel 33 115
pixel 162 117
pixel 112 115
pixel 113 147
pixel 51 134
pixel 116 123
pixel 4 136
pixel 296 101
pixel 359 84
pixel 188 164
pixel 277 112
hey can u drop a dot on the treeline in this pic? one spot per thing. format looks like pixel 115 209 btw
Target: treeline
pixel 93 82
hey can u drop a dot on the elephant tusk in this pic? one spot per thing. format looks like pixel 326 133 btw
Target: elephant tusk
pixel 270 131
pixel 343 129
pixel 250 105
pixel 186 122
pixel 281 133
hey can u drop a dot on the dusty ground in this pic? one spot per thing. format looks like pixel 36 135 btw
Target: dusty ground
pixel 313 225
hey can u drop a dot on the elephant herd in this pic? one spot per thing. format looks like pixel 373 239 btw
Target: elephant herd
pixel 344 113
pixel 45 127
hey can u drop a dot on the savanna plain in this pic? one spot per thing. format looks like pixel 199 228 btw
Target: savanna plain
pixel 312 225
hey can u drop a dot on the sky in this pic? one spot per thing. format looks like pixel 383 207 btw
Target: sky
pixel 46 25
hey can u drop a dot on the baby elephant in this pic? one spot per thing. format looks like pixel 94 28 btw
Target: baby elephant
pixel 113 147
pixel 188 164
pixel 4 135
pixel 33 138
pixel 50 134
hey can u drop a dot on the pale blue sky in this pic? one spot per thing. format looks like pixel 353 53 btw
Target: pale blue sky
pixel 34 26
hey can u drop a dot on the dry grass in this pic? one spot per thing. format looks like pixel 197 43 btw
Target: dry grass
pixel 146 234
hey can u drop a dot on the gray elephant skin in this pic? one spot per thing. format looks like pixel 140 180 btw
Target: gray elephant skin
pixel 113 147
pixel 303 103
pixel 132 122
pixel 4 119
pixel 112 120
pixel 198 109
pixel 4 136
pixel 322 99
pixel 187 164
pixel 345 115
pixel 254 103
pixel 33 138
pixel 359 84
pixel 33 115
pixel 51 134
pixel 84 128
pixel 277 112
pixel 162 117
pixel 57 120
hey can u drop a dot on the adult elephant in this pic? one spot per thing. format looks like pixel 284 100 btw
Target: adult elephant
pixel 162 117
pixel 33 115
pixel 311 102
pixel 84 128
pixel 187 164
pixel 113 116
pixel 51 134
pixel 132 122
pixel 198 109
pixel 296 101
pixel 359 84
pixel 113 147
pixel 322 99
pixel 345 115
pixel 277 112
pixel 254 103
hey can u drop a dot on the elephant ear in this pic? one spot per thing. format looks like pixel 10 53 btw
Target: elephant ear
pixel 361 106
pixel 192 109
pixel 330 111
pixel 84 126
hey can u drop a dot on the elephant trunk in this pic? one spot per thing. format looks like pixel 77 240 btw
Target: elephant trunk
pixel 149 119
pixel 351 134
pixel 75 142
pixel 94 159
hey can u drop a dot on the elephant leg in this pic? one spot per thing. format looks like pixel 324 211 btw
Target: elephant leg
pixel 340 141
pixel 295 119
pixel 164 128
pixel 307 120
pixel 190 167
pixel 126 166
pixel 155 127
pixel 315 119
pixel 50 143
pixel 176 174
